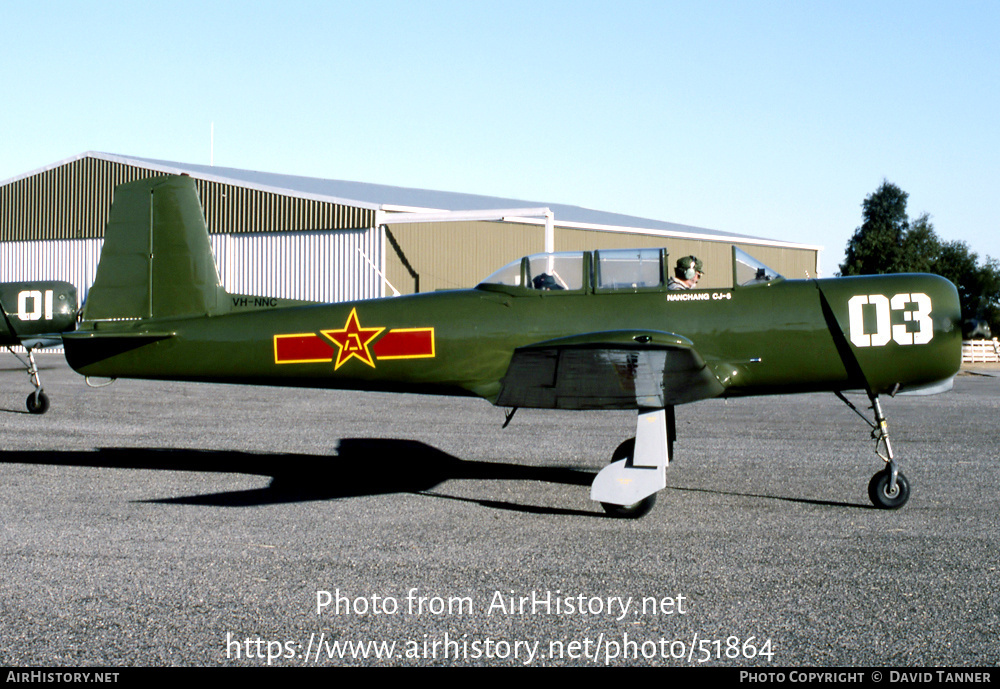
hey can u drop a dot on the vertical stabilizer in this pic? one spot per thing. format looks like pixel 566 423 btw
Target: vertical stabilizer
pixel 156 261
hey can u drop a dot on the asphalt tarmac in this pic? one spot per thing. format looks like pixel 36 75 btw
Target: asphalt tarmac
pixel 150 523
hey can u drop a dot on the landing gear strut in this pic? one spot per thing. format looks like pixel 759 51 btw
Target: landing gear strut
pixel 627 487
pixel 888 489
pixel 626 453
pixel 37 402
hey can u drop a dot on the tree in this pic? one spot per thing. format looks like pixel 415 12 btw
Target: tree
pixel 877 246
pixel 978 286
pixel 889 243
pixel 958 264
pixel 921 246
pixel 989 294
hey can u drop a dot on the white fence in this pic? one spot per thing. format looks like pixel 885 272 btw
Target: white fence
pixel 981 351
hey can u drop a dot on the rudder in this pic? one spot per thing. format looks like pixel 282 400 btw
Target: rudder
pixel 156 261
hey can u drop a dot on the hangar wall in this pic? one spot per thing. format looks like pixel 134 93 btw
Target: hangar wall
pixel 72 260
pixel 455 255
pixel 320 266
pixel 459 255
pixel 52 228
pixel 71 201
pixel 276 242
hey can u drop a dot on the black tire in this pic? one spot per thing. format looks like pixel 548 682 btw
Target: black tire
pixel 636 509
pixel 624 451
pixel 37 407
pixel 878 491
pixel 633 511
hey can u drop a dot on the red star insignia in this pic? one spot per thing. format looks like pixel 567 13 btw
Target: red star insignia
pixel 353 341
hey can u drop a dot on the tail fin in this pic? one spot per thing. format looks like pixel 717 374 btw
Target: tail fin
pixel 156 261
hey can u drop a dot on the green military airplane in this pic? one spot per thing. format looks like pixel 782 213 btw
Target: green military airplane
pixel 35 314
pixel 583 330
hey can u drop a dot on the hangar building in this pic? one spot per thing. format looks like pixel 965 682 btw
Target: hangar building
pixel 328 240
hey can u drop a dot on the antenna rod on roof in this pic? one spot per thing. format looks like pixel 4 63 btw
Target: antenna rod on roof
pixel 211 153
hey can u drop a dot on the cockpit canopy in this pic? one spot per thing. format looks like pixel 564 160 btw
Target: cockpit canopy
pixel 747 270
pixel 558 271
pixel 612 270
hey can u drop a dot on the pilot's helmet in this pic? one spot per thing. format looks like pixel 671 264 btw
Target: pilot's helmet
pixel 545 281
pixel 688 266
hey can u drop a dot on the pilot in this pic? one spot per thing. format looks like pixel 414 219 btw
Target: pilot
pixel 545 282
pixel 687 273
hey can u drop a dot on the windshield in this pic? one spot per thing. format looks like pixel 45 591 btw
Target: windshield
pixel 548 272
pixel 629 268
pixel 750 271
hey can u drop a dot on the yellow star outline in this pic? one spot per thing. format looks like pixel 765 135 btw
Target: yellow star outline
pixel 353 341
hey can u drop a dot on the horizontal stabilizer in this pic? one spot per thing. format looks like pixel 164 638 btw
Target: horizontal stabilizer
pixel 87 347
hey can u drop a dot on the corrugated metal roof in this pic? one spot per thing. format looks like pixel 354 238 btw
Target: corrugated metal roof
pixel 390 198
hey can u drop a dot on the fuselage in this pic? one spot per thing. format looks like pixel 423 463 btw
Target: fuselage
pixel 778 337
pixel 35 311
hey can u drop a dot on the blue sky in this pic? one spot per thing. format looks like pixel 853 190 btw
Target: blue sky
pixel 772 119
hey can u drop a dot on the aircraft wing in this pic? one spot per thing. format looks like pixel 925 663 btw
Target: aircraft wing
pixel 620 369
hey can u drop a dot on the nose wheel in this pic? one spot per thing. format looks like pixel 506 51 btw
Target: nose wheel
pixel 884 497
pixel 38 401
pixel 888 489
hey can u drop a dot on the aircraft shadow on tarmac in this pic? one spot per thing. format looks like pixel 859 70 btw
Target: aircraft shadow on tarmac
pixel 361 467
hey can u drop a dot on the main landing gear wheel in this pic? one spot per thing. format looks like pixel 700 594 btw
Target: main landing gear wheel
pixel 37 404
pixel 636 509
pixel 633 511
pixel 882 497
